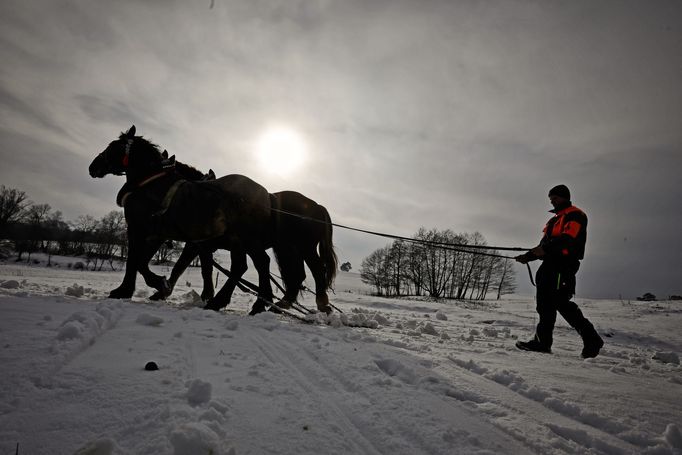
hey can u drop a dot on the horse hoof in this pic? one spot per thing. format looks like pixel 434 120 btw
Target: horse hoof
pixel 211 306
pixel 165 291
pixel 286 304
pixel 215 305
pixel 158 295
pixel 207 296
pixel 258 307
pixel 120 294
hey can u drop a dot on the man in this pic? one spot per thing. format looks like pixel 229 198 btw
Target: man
pixel 560 250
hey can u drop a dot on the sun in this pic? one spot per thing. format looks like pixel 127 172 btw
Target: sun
pixel 281 150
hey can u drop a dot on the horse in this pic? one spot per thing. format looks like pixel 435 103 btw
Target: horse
pixel 231 212
pixel 298 226
pixel 189 252
pixel 302 226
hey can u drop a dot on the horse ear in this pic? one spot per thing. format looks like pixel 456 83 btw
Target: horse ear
pixel 171 160
pixel 211 174
pixel 165 154
pixel 131 131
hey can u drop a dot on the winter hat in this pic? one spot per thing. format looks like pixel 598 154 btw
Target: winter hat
pixel 561 191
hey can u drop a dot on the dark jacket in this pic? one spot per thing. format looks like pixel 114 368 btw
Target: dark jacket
pixel 565 235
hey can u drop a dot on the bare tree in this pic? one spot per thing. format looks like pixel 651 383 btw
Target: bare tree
pixel 13 205
pixel 167 251
pixel 36 216
pixel 416 263
pixel 111 232
pixel 397 267
pixel 373 270
pixel 439 271
pixel 85 229
pixel 506 280
pixel 55 229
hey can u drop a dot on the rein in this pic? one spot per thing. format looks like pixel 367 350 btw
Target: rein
pixel 457 247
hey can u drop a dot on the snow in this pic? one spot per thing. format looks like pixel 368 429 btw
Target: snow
pixel 398 376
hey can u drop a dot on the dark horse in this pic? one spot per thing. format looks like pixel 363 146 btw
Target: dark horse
pixel 297 226
pixel 231 212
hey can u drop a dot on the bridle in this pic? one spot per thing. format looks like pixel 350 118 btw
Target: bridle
pixel 126 156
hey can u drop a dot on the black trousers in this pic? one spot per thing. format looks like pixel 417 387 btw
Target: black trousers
pixel 555 286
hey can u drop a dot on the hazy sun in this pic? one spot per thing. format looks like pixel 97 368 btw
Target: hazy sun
pixel 281 150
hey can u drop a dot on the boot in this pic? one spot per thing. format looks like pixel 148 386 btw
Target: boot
pixel 592 342
pixel 592 346
pixel 533 345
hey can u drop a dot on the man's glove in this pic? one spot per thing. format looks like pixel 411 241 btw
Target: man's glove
pixel 526 257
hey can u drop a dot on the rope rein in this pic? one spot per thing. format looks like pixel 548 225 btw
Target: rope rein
pixel 457 247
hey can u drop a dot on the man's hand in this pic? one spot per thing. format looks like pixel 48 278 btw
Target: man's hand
pixel 522 258
pixel 538 252
pixel 531 255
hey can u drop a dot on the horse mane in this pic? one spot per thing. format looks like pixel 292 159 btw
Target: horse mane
pixel 185 170
pixel 141 140
pixel 188 172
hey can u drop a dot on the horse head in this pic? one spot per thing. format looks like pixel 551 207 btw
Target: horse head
pixel 129 154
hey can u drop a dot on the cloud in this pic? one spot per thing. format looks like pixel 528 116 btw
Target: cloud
pixel 441 114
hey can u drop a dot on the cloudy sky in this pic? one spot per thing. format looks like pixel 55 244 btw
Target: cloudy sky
pixel 445 114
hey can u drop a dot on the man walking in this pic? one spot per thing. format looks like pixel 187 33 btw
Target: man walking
pixel 561 249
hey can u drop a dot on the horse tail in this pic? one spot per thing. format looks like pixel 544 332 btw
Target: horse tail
pixel 327 253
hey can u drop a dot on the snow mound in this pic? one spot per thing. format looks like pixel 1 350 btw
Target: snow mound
pixel 103 446
pixel 192 299
pixel 194 438
pixel 397 370
pixel 75 291
pixel 232 325
pixel 667 357
pixel 490 332
pixel 87 325
pixel 429 329
pixel 198 392
pixel 148 319
pixel 344 319
pixel 10 284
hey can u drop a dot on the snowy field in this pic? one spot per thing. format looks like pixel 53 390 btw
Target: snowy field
pixel 430 378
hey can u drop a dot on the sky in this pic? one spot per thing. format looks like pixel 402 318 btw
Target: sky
pixel 444 114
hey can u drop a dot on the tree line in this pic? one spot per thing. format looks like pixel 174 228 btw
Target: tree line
pixel 412 268
pixel 35 228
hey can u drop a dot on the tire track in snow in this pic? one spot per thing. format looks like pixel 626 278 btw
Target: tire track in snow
pixel 275 354
pixel 385 431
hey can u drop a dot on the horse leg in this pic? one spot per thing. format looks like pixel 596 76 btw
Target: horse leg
pixel 317 269
pixel 153 280
pixel 189 252
pixel 261 261
pixel 224 296
pixel 126 289
pixel 206 258
pixel 291 266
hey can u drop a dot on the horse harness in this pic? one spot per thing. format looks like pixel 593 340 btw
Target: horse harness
pixel 126 190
